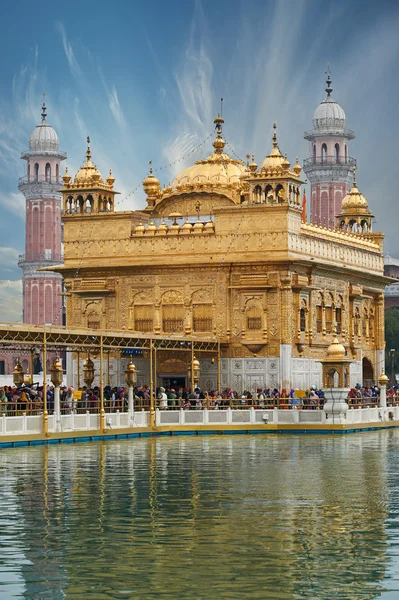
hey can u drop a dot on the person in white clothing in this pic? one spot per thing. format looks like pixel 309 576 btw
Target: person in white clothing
pixel 163 399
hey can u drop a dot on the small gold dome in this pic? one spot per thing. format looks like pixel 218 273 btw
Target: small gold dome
pixel 139 228
pixel 151 184
pixel 297 168
pixel 198 226
pixel 174 228
pixel 354 200
pixel 88 174
pixel 383 379
pixel 151 228
pixel 336 351
pixel 187 227
pixel 275 159
pixel 66 178
pixel 252 165
pixel 163 228
pixel 110 178
pixel 209 227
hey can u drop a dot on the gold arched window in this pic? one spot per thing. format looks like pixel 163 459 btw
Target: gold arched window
pixel 93 320
pixel 254 318
pixel 172 318
pixel 202 317
pixel 143 318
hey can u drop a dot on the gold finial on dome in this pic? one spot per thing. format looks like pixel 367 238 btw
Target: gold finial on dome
pixel 110 178
pixel 297 167
pixel 275 144
pixel 66 178
pixel 88 152
pixel 252 165
pixel 219 142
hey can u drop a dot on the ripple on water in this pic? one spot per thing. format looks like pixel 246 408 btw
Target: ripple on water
pixel 296 517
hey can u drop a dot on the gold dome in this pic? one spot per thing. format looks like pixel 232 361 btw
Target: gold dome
pixel 354 201
pixel 275 160
pixel 336 351
pixel 88 174
pixel 216 170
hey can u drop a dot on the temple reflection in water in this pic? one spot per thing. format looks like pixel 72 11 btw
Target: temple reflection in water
pixel 287 518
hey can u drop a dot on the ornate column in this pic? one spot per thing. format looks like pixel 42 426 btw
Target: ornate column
pixel 379 335
pixel 130 378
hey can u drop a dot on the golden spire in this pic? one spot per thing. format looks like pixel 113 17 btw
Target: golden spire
pixel 88 153
pixel 275 144
pixel 219 142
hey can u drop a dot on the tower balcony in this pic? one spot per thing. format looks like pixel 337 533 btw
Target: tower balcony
pixel 330 132
pixel 40 179
pixel 48 258
pixel 40 187
pixel 330 161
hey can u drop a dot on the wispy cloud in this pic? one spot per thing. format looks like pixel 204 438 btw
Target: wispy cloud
pixel 10 300
pixel 69 53
pixel 116 108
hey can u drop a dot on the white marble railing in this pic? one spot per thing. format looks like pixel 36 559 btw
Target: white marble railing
pixel 23 424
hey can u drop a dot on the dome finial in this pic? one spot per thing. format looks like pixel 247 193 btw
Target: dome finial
pixel 219 142
pixel 328 81
pixel 150 163
pixel 88 153
pixel 44 107
pixel 275 144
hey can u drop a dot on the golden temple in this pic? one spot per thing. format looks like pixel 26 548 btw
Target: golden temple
pixel 223 253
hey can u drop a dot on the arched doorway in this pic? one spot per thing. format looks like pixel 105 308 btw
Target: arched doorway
pixel 368 375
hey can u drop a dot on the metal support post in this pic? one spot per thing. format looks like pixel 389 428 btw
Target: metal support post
pixel 45 413
pixel 102 412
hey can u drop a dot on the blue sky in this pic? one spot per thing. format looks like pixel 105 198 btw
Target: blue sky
pixel 144 80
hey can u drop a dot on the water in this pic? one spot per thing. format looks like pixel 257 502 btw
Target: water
pixel 225 517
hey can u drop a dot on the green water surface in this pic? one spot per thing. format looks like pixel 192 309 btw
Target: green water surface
pixel 235 517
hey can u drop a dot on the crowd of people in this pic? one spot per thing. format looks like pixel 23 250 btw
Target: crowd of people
pixel 29 399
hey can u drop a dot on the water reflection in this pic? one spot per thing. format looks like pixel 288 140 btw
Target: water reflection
pixel 281 517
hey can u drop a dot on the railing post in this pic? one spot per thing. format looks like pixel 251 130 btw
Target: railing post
pixel 102 412
pixel 45 413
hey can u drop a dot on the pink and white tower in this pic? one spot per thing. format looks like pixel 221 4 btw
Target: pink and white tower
pixel 329 168
pixel 42 300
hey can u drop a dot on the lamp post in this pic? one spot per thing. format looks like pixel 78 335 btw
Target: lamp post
pixel 56 374
pixel 88 371
pixel 392 353
pixel 18 374
pixel 382 382
pixel 130 378
pixel 194 371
